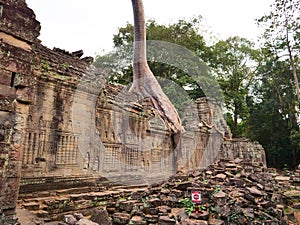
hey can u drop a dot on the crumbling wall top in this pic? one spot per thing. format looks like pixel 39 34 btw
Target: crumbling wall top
pixel 18 20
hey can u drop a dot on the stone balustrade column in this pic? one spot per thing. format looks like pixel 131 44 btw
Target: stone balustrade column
pixel 15 154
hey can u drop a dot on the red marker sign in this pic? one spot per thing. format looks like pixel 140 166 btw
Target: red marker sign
pixel 196 196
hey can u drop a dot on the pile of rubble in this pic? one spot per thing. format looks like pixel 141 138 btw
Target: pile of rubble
pixel 231 193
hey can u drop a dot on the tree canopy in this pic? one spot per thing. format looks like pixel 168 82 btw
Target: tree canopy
pixel 183 33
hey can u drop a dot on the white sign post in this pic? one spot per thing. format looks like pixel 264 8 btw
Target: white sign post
pixel 196 198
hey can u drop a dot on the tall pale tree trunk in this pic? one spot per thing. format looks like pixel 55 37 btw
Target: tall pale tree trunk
pixel 144 82
pixel 289 48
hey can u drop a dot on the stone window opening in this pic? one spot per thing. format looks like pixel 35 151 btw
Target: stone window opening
pixel 131 157
pixel 13 74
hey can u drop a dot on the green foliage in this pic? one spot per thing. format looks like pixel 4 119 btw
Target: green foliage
pixel 273 104
pixel 295 138
pixel 234 216
pixel 204 181
pixel 272 119
pixel 281 27
pixel 216 190
pixel 46 67
pixel 145 203
pixel 234 62
pixel 64 66
pixel 173 53
pixel 183 33
pixel 189 205
pixel 99 203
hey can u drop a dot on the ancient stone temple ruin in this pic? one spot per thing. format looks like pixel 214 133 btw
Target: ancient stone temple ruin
pixel 60 121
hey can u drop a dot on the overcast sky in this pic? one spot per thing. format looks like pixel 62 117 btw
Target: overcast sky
pixel 90 24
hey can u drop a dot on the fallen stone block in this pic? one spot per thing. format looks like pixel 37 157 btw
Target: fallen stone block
pixel 70 219
pixel 121 218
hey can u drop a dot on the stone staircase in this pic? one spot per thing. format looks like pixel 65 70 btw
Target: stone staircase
pixel 52 205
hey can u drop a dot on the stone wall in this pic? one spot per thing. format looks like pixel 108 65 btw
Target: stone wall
pixel 241 148
pixel 59 120
pixel 17 34
pixel 51 145
pixel 135 141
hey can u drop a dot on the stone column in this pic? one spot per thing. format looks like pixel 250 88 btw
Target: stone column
pixel 5 126
pixel 12 173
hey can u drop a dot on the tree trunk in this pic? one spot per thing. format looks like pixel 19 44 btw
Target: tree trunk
pixel 235 124
pixel 292 63
pixel 144 82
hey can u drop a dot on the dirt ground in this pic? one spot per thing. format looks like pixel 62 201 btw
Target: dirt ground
pixel 26 217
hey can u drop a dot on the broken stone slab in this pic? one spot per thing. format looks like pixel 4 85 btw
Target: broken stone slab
pixel 201 215
pixel 267 204
pixel 221 176
pixel 31 206
pixel 238 182
pixel 177 193
pixel 70 219
pixel 238 160
pixel 230 165
pixel 166 220
pixel 208 172
pixel 215 222
pixel 79 216
pixel 260 186
pixel 164 209
pixel 44 194
pixel 137 220
pixel 42 214
pixel 296 205
pixel 236 193
pixel 268 187
pixel 219 194
pixel 121 218
pixel 127 205
pixel 255 191
pixel 265 215
pixel 224 210
pixel 229 174
pixel 241 220
pixel 165 191
pixel 250 198
pixel 294 194
pixel 178 213
pixel 151 218
pixel 172 200
pixel 154 202
pixel 194 222
pixel 248 212
pixel 101 217
pixel 111 210
pixel 282 178
pixel 184 185
pixel 254 177
pixel 136 195
pixel 151 211
pixel 274 212
pixel 86 222
pixel 154 190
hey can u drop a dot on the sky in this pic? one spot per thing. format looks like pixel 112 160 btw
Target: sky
pixel 90 25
